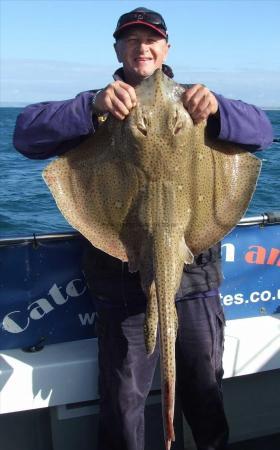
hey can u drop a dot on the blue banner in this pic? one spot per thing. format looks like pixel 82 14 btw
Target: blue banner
pixel 251 268
pixel 44 298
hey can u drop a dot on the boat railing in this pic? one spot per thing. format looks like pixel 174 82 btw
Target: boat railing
pixel 267 218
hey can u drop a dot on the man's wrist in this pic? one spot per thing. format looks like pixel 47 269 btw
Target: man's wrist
pixel 100 115
pixel 94 109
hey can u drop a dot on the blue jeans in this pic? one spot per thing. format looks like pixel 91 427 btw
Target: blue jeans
pixel 126 374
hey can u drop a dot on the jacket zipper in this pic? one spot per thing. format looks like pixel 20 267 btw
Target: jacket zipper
pixel 123 286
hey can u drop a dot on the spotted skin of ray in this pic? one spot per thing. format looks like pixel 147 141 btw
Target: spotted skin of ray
pixel 154 190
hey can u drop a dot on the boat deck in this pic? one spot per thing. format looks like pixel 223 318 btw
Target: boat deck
pixel 33 432
pixel 271 442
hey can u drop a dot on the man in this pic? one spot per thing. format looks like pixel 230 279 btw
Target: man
pixel 126 372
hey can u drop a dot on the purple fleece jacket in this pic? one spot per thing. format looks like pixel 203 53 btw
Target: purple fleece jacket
pixel 51 128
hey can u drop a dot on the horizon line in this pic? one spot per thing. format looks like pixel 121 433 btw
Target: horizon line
pixel 23 104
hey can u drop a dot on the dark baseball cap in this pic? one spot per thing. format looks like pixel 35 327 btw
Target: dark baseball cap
pixel 141 16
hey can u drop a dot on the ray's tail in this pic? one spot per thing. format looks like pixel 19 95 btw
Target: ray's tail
pixel 168 264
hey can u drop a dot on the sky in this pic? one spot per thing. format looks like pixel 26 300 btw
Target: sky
pixel 54 49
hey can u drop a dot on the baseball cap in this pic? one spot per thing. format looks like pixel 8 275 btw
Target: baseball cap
pixel 141 16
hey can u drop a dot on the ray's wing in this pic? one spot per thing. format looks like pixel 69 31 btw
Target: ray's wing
pixel 94 190
pixel 222 180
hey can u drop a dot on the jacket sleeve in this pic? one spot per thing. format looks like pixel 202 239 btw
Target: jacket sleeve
pixel 49 129
pixel 241 123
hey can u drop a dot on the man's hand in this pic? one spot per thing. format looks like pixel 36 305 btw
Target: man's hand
pixel 199 102
pixel 117 98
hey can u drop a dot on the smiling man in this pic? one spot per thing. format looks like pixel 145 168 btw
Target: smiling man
pixel 141 51
pixel 142 47
pixel 126 372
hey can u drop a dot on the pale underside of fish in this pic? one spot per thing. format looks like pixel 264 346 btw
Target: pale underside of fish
pixel 153 190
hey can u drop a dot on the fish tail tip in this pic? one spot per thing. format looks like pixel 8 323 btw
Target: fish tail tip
pixel 150 349
pixel 170 439
pixel 150 344
pixel 168 443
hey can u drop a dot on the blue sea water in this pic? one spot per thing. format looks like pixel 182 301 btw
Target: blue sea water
pixel 27 207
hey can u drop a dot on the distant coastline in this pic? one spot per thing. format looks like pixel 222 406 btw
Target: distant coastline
pixel 14 105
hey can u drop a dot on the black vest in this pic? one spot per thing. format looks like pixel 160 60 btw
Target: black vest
pixel 110 281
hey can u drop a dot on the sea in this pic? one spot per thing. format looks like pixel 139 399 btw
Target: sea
pixel 27 207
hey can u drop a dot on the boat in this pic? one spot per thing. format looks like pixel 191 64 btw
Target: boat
pixel 48 348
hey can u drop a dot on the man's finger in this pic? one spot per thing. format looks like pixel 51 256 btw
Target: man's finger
pixel 196 98
pixel 191 91
pixel 128 89
pixel 202 116
pixel 117 96
pixel 118 115
pixel 114 111
pixel 119 106
pixel 124 97
pixel 132 94
pixel 201 108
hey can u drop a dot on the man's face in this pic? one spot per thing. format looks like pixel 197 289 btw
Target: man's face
pixel 141 51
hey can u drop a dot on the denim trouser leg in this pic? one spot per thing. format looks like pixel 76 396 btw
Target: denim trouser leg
pixel 199 351
pixel 126 374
